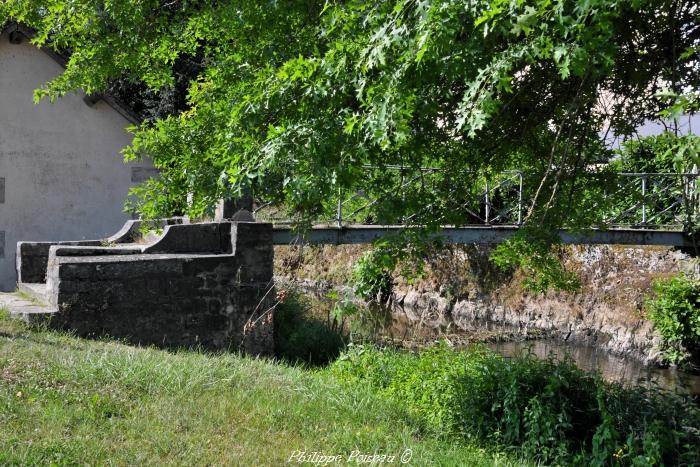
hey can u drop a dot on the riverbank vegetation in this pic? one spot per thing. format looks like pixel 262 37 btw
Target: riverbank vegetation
pixel 675 311
pixel 548 411
pixel 66 400
pixel 302 337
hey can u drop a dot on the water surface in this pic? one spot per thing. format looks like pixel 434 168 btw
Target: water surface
pixel 626 371
pixel 380 324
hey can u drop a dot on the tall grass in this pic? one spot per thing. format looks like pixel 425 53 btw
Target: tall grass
pixel 69 401
pixel 302 337
pixel 550 411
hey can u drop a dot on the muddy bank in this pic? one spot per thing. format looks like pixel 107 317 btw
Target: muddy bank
pixel 460 290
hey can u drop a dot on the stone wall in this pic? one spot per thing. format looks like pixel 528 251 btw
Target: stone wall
pixel 172 300
pixel 462 291
pixel 32 257
pixel 203 285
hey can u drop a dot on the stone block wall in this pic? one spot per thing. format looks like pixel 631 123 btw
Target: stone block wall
pixel 171 300
pixel 202 285
pixel 33 257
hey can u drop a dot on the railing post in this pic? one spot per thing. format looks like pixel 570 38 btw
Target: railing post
pixel 520 199
pixel 486 203
pixel 339 212
pixel 402 187
pixel 692 190
pixel 644 196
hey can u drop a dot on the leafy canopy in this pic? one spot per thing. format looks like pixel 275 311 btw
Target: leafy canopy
pixel 295 96
pixel 292 100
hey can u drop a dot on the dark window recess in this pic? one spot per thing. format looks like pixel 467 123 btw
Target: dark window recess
pixel 2 243
pixel 141 174
pixel 2 190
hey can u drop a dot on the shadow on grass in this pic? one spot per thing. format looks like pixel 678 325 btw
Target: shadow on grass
pixel 304 339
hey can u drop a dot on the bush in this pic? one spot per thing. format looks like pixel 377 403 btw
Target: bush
pixel 553 411
pixel 649 426
pixel 663 153
pixel 675 311
pixel 402 253
pixel 371 275
pixel 538 254
pixel 301 338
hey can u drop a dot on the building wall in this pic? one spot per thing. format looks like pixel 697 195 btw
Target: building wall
pixel 63 174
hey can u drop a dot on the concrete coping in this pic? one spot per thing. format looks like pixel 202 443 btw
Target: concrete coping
pixel 131 230
pixel 177 241
pixel 134 257
pixel 61 250
pixel 207 237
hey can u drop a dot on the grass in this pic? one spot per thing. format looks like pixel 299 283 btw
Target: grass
pixel 65 400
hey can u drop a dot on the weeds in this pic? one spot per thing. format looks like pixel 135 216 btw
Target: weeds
pixel 301 337
pixel 553 412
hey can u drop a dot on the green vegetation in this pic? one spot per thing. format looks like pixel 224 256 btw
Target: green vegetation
pixel 371 275
pixel 291 101
pixel 301 337
pixel 551 412
pixel 403 254
pixel 538 255
pixel 68 401
pixel 664 153
pixel 675 311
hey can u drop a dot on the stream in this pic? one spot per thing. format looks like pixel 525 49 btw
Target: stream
pixel 612 368
pixel 383 325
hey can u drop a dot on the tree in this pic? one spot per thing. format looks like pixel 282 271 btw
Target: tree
pixel 296 98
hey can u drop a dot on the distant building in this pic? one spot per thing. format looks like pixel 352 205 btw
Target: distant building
pixel 61 171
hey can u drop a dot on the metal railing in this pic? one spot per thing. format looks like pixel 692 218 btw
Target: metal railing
pixel 431 195
pixel 653 200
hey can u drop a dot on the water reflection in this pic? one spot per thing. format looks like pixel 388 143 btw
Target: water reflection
pixel 612 368
pixel 401 328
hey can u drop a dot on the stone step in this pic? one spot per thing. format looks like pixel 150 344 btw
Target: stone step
pixel 27 309
pixel 37 292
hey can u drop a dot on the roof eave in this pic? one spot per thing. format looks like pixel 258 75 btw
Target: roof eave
pixel 110 100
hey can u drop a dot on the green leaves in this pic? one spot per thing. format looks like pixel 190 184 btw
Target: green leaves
pixel 663 153
pixel 525 22
pixel 294 97
pixel 552 412
pixel 675 310
pixel 536 255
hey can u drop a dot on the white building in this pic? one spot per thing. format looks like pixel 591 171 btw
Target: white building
pixel 62 176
